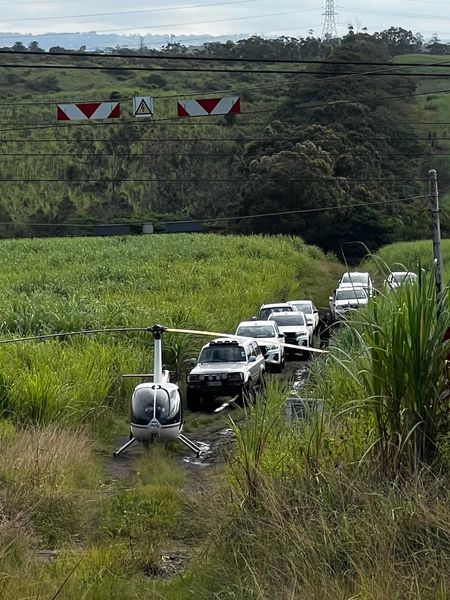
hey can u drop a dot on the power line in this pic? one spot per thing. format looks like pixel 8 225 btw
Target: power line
pixel 223 219
pixel 301 211
pixel 209 181
pixel 393 13
pixel 195 58
pixel 304 107
pixel 322 80
pixel 136 155
pixel 233 139
pixel 183 24
pixel 380 73
pixel 103 154
pixel 129 12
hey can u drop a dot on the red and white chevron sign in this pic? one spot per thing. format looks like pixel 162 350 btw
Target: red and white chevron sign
pixel 209 106
pixel 87 111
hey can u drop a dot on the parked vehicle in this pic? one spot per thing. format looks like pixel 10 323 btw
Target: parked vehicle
pixel 357 280
pixel 293 325
pixel 345 299
pixel 225 368
pixel 397 278
pixel 265 332
pixel 266 309
pixel 309 310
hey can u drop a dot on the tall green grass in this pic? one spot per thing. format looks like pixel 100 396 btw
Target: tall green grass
pixel 386 369
pixel 56 285
pixel 300 524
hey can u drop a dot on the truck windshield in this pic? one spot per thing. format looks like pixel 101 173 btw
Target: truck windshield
pixel 257 331
pixel 296 320
pixel 304 307
pixel 360 278
pixel 216 353
pixel 400 277
pixel 351 294
pixel 265 312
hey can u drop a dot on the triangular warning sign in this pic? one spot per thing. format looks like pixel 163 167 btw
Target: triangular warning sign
pixel 143 108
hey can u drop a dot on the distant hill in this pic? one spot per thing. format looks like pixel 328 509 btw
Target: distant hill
pixel 93 41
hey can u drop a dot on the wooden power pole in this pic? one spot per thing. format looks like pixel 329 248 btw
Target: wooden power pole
pixel 437 251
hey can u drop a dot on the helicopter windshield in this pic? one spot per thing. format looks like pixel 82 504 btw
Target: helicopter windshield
pixel 167 404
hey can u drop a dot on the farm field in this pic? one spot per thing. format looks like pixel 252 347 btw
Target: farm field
pixel 272 511
pixel 410 255
pixel 67 511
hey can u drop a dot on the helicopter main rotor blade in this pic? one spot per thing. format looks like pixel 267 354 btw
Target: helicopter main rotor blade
pixel 63 334
pixel 242 337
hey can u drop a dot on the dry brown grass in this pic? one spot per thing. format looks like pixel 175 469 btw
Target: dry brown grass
pixel 48 459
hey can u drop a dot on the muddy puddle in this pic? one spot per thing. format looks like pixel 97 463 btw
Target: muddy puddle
pixel 214 447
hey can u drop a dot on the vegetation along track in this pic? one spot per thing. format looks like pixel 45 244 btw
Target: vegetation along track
pixel 213 432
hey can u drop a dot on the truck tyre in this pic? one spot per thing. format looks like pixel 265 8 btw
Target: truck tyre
pixel 193 400
pixel 246 394
pixel 278 368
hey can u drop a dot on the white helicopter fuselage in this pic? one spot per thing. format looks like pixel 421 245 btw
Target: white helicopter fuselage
pixel 156 411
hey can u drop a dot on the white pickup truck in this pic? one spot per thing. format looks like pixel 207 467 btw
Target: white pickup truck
pixel 345 299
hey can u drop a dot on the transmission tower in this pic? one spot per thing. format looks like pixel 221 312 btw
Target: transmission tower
pixel 329 30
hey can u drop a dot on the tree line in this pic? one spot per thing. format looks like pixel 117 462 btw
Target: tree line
pixel 329 141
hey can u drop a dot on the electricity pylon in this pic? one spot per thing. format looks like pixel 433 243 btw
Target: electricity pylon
pixel 329 30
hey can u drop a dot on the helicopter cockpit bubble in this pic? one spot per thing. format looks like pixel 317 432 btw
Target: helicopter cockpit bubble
pixel 168 404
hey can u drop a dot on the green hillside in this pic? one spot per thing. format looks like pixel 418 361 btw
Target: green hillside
pixel 433 113
pixel 411 254
pixel 315 137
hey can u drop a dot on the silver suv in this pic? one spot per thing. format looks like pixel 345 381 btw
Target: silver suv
pixel 225 367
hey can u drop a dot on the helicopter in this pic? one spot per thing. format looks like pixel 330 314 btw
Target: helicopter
pixel 156 407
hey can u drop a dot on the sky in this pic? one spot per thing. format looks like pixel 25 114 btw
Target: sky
pixel 220 17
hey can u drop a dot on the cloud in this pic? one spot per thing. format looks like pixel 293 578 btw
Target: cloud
pixel 250 16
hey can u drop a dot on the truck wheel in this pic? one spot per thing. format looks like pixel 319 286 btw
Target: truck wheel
pixel 278 368
pixel 246 394
pixel 193 400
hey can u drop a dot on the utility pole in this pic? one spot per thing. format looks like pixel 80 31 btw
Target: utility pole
pixel 437 251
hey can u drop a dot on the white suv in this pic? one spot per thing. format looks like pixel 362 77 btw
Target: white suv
pixel 357 280
pixel 345 299
pixel 266 334
pixel 267 309
pixel 309 310
pixel 225 367
pixel 397 278
pixel 295 329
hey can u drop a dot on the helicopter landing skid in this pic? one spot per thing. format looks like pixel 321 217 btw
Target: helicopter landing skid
pixel 190 444
pixel 183 439
pixel 124 447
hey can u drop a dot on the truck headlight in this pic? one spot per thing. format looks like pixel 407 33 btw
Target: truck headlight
pixel 236 377
pixel 272 347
